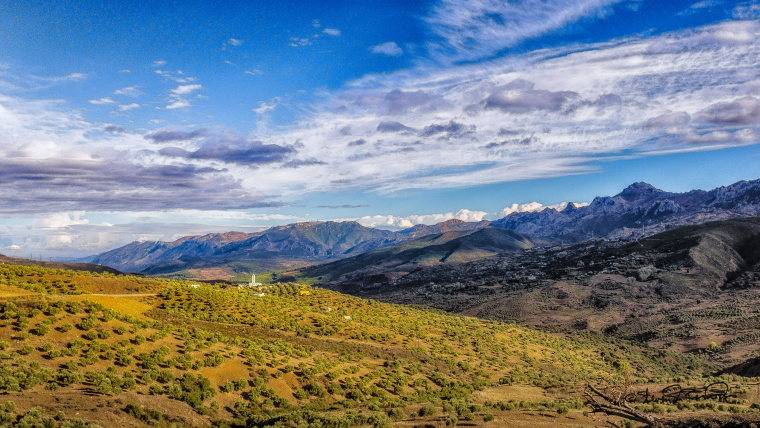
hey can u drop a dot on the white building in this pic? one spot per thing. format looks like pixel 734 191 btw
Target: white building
pixel 251 284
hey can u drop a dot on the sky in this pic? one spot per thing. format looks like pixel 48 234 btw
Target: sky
pixel 126 120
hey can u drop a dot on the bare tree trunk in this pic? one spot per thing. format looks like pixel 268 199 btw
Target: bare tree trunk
pixel 601 402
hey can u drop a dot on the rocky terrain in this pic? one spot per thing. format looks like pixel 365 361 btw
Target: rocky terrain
pixel 639 210
pixel 692 289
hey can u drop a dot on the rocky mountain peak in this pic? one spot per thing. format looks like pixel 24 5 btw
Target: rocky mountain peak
pixel 639 189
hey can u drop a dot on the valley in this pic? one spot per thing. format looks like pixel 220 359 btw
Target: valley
pixel 453 324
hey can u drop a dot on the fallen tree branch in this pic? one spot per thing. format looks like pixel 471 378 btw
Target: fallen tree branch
pixel 601 402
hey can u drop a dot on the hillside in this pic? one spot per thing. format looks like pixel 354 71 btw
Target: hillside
pixel 395 261
pixel 421 230
pixel 692 289
pixel 135 352
pixel 90 267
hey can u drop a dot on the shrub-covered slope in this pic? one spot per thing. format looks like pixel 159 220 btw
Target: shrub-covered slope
pixel 126 351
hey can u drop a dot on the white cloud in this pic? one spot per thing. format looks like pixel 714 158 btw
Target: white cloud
pixel 253 72
pixel 706 4
pixel 178 76
pixel 738 32
pixel 102 101
pixel 77 234
pixel 387 48
pixel 186 89
pixel 630 82
pixel 300 41
pixel 267 106
pixel 683 72
pixel 234 42
pixel 176 100
pixel 159 63
pixel 537 206
pixel 747 10
pixel 477 29
pixel 128 107
pixel 129 91
pixel 177 104
pixel 62 220
pixel 332 32
pixel 402 222
pixel 74 77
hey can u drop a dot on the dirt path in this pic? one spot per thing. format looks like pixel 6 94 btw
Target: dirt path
pixel 106 295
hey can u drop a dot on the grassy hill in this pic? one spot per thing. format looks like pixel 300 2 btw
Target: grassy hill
pixel 130 351
pixel 91 267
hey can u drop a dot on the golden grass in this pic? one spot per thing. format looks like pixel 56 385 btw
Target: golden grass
pixel 227 371
pixel 10 291
pixel 511 392
pixel 125 305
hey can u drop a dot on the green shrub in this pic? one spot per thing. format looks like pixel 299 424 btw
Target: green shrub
pixel 396 414
pixel 428 410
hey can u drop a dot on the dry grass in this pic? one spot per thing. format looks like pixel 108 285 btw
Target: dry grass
pixel 512 392
pixel 9 291
pixel 126 305
pixel 104 410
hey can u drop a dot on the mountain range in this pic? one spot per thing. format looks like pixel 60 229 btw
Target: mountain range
pixel 274 248
pixel 639 210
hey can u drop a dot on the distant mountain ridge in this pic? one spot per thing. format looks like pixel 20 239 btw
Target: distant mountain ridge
pixel 443 227
pixel 432 249
pixel 639 210
pixel 309 241
pixel 274 248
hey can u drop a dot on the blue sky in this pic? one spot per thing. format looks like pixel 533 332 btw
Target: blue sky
pixel 126 120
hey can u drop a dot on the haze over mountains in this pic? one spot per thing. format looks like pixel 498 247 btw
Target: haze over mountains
pixel 639 210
